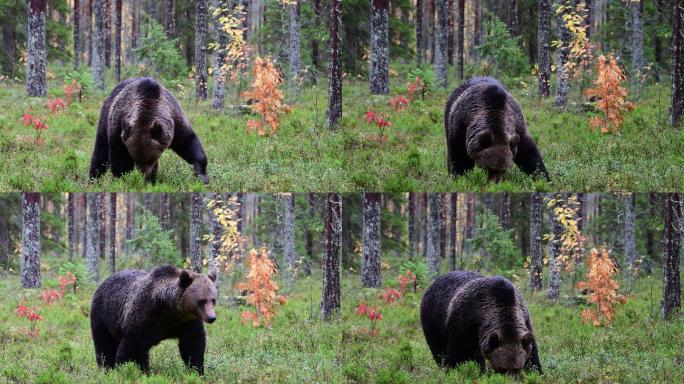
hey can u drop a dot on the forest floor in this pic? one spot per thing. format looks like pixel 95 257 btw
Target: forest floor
pixel 305 156
pixel 299 348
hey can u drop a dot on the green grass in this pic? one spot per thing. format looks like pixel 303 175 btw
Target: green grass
pixel 638 347
pixel 305 156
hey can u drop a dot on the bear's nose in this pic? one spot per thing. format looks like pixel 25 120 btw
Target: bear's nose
pixel 211 319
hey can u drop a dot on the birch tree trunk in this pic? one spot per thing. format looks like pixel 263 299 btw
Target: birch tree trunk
pixel 677 103
pixel 30 240
pixel 196 232
pixel 544 49
pixel 441 63
pixel 93 236
pixel 289 237
pixel 379 61
pixel 555 263
pixel 432 252
pixel 372 248
pixel 536 262
pixel 334 66
pixel 99 45
pixel 201 74
pixel 330 305
pixel 37 57
pixel 671 304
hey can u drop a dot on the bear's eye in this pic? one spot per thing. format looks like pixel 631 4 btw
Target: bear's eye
pixel 213 301
pixel 485 141
pixel 202 302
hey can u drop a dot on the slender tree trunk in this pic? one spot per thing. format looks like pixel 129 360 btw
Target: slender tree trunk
pixel 30 240
pixel 4 236
pixel 432 254
pixel 37 59
pixel 83 231
pixel 135 6
pixel 470 220
pixel 563 53
pixel 420 31
pixel 201 75
pixel 677 108
pixel 77 34
pixel 169 22
pixel 219 73
pixel 379 62
pixel 330 305
pixel 442 225
pixel 412 235
pixel 102 224
pixel 216 234
pixel 117 39
pixel 294 56
pixel 637 42
pixel 451 15
pixel 130 217
pixel 93 236
pixel 671 304
pixel 71 225
pixel 289 250
pixel 315 51
pixel 544 48
pixel 311 198
pixel 513 21
pixel 441 63
pixel 536 262
pixel 461 38
pixel 452 227
pixel 89 34
pixel 629 232
pixel 334 66
pixel 99 45
pixel 108 33
pixel 657 38
pixel 112 232
pixel 372 248
pixel 196 232
pixel 555 262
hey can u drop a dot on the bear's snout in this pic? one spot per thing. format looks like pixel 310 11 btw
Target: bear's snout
pixel 211 319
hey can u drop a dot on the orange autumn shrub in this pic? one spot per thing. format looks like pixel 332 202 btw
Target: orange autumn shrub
pixel 603 290
pixel 267 98
pixel 262 290
pixel 611 96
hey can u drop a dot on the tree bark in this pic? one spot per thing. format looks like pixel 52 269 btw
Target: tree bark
pixel 555 263
pixel 196 232
pixel 30 240
pixel 77 34
pixel 117 39
pixel 108 33
pixel 330 304
pixel 294 55
pixel 441 62
pixel 71 225
pixel 536 262
pixel 334 66
pixel 201 75
pixel 135 6
pixel 315 51
pixel 112 233
pixel 219 74
pixel 563 53
pixel 671 304
pixel 432 254
pixel 379 61
pixel 372 248
pixel 677 103
pixel 420 31
pixel 452 227
pixel 93 236
pixel 311 198
pixel 412 233
pixel 544 49
pixel 169 26
pixel 629 232
pixel 289 237
pixel 637 42
pixel 99 45
pixel 37 57
pixel 461 38
pixel 216 233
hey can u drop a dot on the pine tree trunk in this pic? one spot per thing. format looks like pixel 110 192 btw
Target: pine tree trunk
pixel 513 21
pixel 130 217
pixel 441 63
pixel 332 221
pixel 294 56
pixel 216 234
pixel 37 60
pixel 379 61
pixel 629 232
pixel 99 45
pixel 83 231
pixel 412 224
pixel 108 33
pixel 450 31
pixel 71 225
pixel 30 240
pixel 420 31
pixel 563 53
pixel 372 248
pixel 135 7
pixel 77 34
pixel 544 48
pixel 452 227
pixel 677 108
pixel 112 232
pixel 536 262
pixel 196 232
pixel 289 237
pixel 657 39
pixel 89 34
pixel 555 262
pixel 506 210
pixel 442 225
pixel 117 39
pixel 671 304
pixel 102 224
pixel 334 66
pixel 470 220
pixel 93 236
pixel 461 38
pixel 169 26
pixel 219 73
pixel 311 198
pixel 201 75
pixel 315 51
pixel 637 42
pixel 432 253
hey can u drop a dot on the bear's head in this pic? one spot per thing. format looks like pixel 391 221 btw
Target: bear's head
pixel 507 354
pixel 493 150
pixel 146 139
pixel 198 297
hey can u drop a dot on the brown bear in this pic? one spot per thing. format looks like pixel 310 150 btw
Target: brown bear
pixel 469 317
pixel 138 121
pixel 132 311
pixel 485 127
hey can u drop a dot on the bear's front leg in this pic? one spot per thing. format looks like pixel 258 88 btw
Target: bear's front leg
pixel 192 342
pixel 132 349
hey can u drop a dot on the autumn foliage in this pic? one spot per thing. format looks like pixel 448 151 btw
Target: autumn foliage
pixel 398 104
pixel 262 290
pixel 267 98
pixel 612 97
pixel 603 290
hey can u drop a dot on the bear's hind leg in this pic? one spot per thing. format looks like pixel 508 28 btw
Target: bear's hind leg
pixel 130 350
pixel 192 343
pixel 105 346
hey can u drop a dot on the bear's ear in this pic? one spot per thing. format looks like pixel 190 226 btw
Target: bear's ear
pixel 212 275
pixel 185 279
